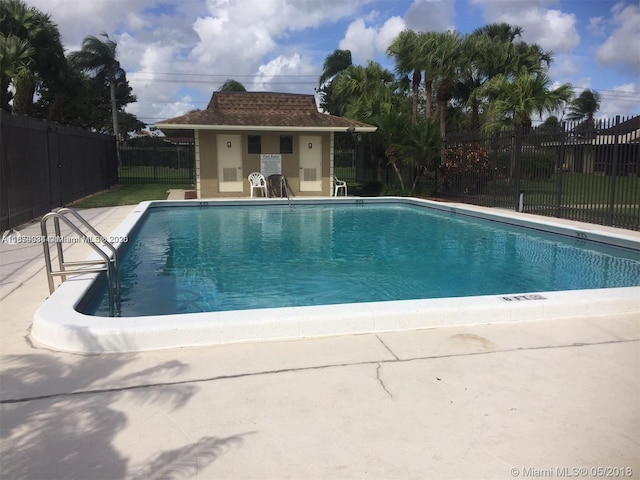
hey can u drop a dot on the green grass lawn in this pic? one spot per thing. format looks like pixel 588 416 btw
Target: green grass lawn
pixel 138 174
pixel 585 189
pixel 129 194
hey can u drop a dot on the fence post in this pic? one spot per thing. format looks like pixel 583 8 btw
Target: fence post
pixel 560 171
pixel 4 178
pixel 517 166
pixel 614 173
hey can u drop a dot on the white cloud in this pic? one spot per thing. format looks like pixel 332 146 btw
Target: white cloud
pixel 286 71
pixel 582 84
pixel 237 36
pixel 204 41
pixel 551 29
pixel 135 21
pixel 176 52
pixel 565 66
pixel 175 109
pixel 621 47
pixel 597 26
pixel 77 19
pixel 366 42
pixel 361 40
pixel 388 32
pixel 621 100
pixel 431 15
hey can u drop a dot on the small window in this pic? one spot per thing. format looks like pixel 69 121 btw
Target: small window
pixel 255 144
pixel 286 143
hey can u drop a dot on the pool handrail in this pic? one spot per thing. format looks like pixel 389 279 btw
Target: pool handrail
pixel 107 264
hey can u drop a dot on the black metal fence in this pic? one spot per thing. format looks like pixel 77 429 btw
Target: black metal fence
pixel 353 163
pixel 44 166
pixel 158 163
pixel 587 172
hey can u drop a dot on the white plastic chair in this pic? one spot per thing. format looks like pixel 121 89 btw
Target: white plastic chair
pixel 257 182
pixel 339 185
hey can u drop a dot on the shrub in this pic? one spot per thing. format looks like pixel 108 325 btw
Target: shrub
pixel 466 170
pixel 372 188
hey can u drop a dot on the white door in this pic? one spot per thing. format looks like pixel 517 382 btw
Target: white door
pixel 230 176
pixel 310 163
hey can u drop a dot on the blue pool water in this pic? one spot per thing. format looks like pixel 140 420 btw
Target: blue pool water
pixel 198 259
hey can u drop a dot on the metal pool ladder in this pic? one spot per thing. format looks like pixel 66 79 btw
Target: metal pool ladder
pixel 108 262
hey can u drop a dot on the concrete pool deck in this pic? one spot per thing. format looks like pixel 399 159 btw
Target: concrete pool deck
pixel 536 398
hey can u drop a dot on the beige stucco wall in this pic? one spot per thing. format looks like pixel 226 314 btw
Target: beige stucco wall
pixel 206 159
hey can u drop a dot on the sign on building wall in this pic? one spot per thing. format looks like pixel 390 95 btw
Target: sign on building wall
pixel 271 164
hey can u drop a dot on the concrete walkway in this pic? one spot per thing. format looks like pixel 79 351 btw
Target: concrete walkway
pixel 532 399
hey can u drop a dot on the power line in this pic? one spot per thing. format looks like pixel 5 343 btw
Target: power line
pixel 282 80
pixel 221 75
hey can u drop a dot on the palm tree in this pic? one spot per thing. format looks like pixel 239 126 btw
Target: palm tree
pixel 421 144
pixel 515 100
pixel 448 55
pixel 500 31
pixel 427 58
pixel 584 106
pixel 100 58
pixel 335 64
pixel 15 62
pixel 232 86
pixel 491 51
pixel 364 92
pixel 30 51
pixel 532 57
pixel 405 49
pixel 392 127
pixel 48 61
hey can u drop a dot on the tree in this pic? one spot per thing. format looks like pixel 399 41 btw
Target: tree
pixel 447 60
pixel 428 61
pixel 370 94
pixel 232 86
pixel 551 130
pixel 31 53
pixel 392 126
pixel 100 58
pixel 363 93
pixel 405 49
pixel 421 144
pixel 501 31
pixel 515 99
pixel 334 65
pixel 129 123
pixel 584 106
pixel 69 100
pixel 491 51
pixel 15 60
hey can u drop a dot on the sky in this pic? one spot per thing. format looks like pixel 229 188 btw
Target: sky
pixel 177 52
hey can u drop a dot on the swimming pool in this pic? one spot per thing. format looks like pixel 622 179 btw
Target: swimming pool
pixel 247 270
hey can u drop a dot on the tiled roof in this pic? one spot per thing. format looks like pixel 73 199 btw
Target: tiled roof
pixel 262 109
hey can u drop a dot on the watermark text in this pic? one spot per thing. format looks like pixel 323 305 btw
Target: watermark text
pixel 13 237
pixel 572 472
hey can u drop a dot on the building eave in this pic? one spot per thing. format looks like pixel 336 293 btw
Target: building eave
pixel 267 128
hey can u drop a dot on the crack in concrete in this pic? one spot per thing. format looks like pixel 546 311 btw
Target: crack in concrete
pixel 381 382
pixel 301 369
pixel 387 347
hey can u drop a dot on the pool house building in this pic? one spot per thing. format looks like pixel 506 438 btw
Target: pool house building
pixel 271 133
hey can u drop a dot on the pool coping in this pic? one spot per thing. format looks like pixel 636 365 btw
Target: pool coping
pixel 58 325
